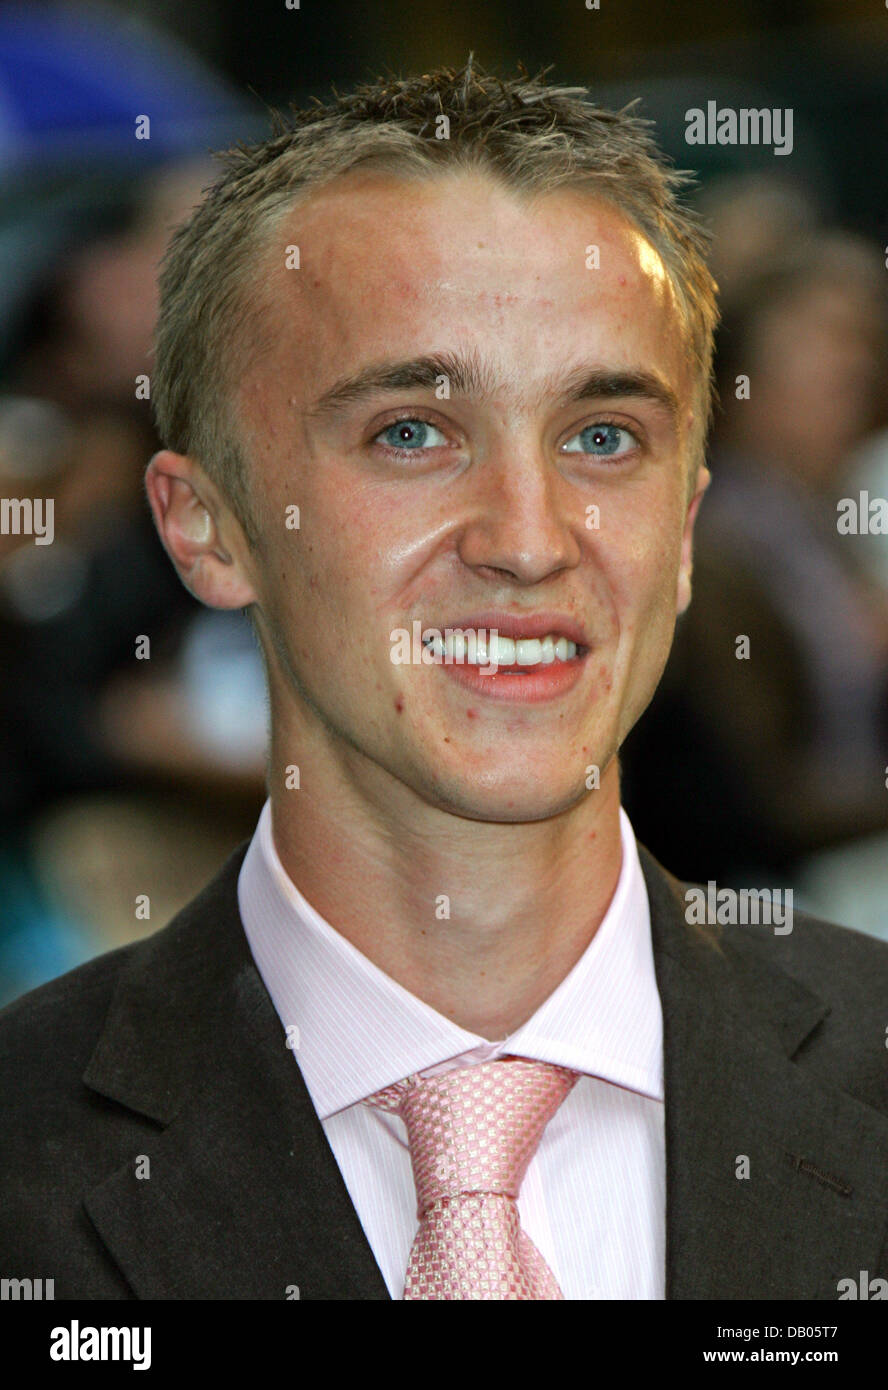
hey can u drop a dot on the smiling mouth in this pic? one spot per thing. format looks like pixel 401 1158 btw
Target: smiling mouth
pixel 511 656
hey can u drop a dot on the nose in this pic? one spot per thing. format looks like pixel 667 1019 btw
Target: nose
pixel 523 522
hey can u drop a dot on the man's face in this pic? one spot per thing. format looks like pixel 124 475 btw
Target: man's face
pixel 468 510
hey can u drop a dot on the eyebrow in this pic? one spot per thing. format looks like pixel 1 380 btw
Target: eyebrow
pixel 470 376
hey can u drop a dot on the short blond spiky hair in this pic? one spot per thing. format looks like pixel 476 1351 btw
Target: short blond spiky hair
pixel 532 136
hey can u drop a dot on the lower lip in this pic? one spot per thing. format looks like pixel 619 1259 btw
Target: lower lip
pixel 529 685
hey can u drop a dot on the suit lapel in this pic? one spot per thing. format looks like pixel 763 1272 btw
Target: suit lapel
pixel 814 1207
pixel 242 1197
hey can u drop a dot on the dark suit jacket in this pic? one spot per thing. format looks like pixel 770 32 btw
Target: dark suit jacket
pixel 774 1047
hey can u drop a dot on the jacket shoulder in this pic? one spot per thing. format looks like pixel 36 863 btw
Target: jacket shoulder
pixel 834 961
pixel 847 970
pixel 60 1134
pixel 50 1033
pixel 820 987
pixel 61 1020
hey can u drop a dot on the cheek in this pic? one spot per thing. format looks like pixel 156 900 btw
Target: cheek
pixel 643 574
pixel 329 602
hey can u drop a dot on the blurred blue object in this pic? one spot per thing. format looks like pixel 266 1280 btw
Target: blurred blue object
pixel 223 679
pixel 74 80
pixel 849 885
pixel 38 941
pixel 73 83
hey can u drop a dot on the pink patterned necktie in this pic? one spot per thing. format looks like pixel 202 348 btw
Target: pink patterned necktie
pixel 472 1133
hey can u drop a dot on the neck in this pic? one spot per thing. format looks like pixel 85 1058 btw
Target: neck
pixel 480 920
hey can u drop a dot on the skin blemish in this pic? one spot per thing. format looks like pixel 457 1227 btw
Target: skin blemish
pixel 399 704
pixel 471 714
pixel 622 279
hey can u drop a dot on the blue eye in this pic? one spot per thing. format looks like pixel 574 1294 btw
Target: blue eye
pixel 603 440
pixel 409 434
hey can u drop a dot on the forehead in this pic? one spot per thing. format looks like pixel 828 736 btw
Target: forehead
pixel 389 266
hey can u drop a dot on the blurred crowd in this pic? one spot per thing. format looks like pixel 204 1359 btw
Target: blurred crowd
pixel 132 720
pixel 764 762
pixel 125 778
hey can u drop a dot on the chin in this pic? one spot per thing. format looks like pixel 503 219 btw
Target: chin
pixel 508 802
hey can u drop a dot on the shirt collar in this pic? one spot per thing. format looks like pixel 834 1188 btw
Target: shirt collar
pixel 355 1030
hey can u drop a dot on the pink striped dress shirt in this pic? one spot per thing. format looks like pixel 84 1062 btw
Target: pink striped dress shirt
pixel 593 1199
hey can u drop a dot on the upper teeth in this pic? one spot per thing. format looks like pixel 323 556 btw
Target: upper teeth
pixel 505 651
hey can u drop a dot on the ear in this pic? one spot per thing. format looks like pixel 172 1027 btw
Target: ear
pixel 199 532
pixel 683 593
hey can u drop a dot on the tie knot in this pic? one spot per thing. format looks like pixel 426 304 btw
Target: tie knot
pixel 475 1129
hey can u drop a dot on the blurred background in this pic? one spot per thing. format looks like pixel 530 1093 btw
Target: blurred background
pixel 125 781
